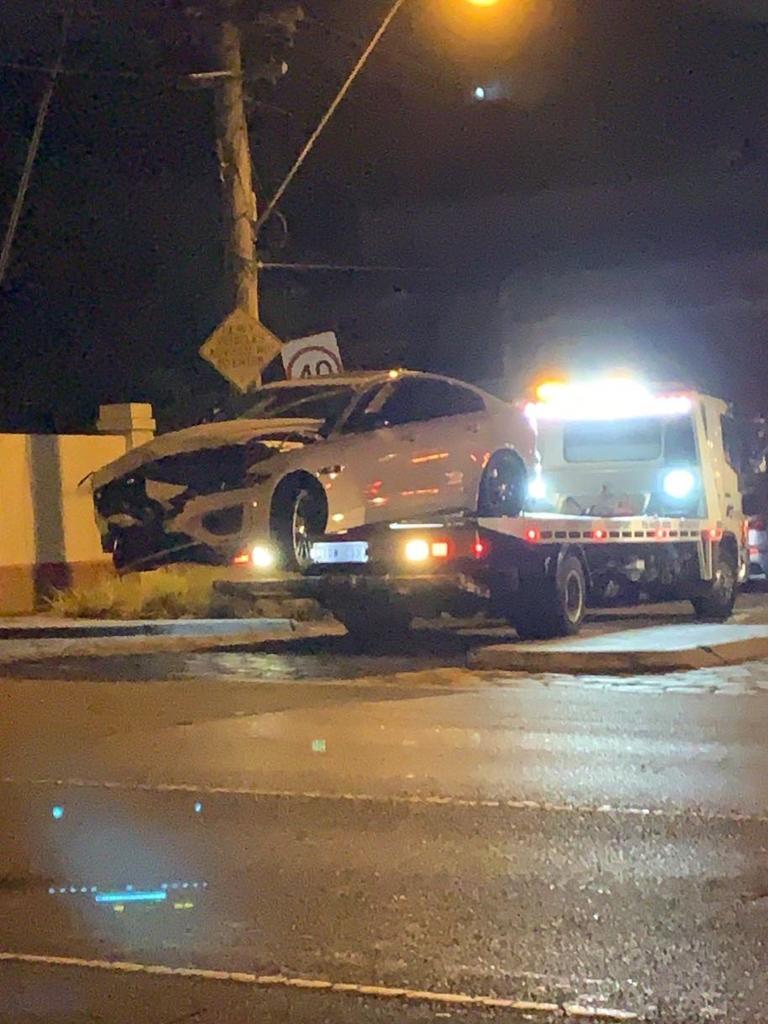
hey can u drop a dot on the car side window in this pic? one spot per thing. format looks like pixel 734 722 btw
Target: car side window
pixel 462 401
pixel 366 415
pixel 403 405
pixel 416 400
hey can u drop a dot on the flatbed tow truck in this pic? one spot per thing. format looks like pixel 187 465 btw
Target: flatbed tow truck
pixel 635 497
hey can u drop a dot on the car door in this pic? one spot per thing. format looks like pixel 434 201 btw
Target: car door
pixel 375 448
pixel 427 449
pixel 412 447
pixel 451 439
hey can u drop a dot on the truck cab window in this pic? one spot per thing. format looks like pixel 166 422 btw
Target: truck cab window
pixel 731 442
pixel 635 440
pixel 680 440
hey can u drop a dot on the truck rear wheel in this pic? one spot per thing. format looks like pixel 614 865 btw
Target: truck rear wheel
pixel 716 605
pixel 552 607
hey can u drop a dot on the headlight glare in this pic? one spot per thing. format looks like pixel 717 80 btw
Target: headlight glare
pixel 679 483
pixel 262 557
pixel 417 550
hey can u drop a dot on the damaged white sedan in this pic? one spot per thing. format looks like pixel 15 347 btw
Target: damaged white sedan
pixel 313 457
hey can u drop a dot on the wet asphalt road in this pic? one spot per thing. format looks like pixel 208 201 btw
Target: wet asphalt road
pixel 390 820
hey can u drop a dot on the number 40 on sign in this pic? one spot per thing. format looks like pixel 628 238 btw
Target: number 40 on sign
pixel 315 356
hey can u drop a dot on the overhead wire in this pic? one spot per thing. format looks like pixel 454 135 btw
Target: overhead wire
pixel 335 104
pixel 407 66
pixel 34 144
pixel 372 267
pixel 58 69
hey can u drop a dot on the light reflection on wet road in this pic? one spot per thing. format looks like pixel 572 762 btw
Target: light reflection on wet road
pixel 595 841
pixel 607 910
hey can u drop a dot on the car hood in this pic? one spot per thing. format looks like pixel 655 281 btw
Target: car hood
pixel 208 436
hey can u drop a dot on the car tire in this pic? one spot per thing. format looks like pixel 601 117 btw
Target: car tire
pixel 298 517
pixel 716 604
pixel 503 486
pixel 548 608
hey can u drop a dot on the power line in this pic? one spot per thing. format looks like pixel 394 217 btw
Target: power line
pixel 42 69
pixel 34 145
pixel 407 66
pixel 337 101
pixel 372 268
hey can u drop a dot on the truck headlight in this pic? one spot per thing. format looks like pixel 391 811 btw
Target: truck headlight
pixel 417 550
pixel 263 557
pixel 537 488
pixel 679 483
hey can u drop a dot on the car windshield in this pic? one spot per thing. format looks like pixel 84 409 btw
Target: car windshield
pixel 321 402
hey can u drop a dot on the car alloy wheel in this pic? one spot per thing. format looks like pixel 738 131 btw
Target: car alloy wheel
pixel 301 528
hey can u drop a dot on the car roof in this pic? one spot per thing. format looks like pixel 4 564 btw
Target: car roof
pixel 337 379
pixel 363 377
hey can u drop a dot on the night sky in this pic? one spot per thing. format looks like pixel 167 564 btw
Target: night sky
pixel 117 274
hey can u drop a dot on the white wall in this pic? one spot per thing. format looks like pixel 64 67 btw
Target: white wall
pixel 48 535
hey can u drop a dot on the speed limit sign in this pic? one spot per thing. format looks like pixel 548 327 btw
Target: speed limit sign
pixel 315 356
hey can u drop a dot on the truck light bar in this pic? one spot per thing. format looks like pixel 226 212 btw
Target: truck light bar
pixel 607 399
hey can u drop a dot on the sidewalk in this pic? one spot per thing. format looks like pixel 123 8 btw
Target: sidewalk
pixel 45 627
pixel 43 638
pixel 668 648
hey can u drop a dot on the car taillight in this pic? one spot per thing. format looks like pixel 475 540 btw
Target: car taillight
pixel 480 548
pixel 440 548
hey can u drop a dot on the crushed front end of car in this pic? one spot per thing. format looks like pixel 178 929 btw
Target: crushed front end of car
pixel 182 497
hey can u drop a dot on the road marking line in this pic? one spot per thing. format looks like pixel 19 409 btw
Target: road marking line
pixel 319 984
pixel 396 798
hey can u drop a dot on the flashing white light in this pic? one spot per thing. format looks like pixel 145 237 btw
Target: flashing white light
pixel 417 550
pixel 678 483
pixel 479 92
pixel 262 557
pixel 537 488
pixel 606 399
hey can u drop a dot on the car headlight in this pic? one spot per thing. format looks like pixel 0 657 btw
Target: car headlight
pixel 417 550
pixel 262 557
pixel 679 483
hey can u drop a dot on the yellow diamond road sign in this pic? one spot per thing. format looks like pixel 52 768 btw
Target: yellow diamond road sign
pixel 240 348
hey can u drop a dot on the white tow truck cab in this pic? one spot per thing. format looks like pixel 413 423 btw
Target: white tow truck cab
pixel 634 497
pixel 638 490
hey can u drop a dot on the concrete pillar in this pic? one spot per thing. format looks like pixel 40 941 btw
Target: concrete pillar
pixel 133 421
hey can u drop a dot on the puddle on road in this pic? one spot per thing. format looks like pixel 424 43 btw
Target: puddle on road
pixel 307 658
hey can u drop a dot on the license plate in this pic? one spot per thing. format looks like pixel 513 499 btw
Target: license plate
pixel 339 552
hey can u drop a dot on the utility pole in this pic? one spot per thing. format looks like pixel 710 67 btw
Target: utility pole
pixel 239 201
